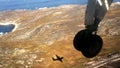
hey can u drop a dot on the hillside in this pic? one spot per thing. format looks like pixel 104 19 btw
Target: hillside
pixel 41 34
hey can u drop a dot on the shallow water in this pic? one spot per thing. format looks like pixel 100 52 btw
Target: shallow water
pixel 6 28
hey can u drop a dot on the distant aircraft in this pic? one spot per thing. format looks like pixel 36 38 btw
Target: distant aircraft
pixel 58 58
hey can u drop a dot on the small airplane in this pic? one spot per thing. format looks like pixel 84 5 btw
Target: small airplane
pixel 58 58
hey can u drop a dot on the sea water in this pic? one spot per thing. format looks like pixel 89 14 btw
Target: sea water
pixel 6 28
pixel 35 4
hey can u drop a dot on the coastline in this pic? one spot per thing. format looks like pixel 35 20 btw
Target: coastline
pixel 42 33
pixel 41 8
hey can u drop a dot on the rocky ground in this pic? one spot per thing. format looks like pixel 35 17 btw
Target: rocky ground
pixel 41 34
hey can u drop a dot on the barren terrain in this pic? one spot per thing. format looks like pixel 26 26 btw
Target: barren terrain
pixel 41 34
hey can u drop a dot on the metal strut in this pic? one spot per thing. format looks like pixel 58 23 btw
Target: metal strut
pixel 85 41
pixel 95 12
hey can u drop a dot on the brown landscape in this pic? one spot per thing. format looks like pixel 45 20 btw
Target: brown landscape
pixel 42 34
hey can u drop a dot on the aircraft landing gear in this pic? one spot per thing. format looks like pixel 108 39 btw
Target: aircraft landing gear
pixel 89 44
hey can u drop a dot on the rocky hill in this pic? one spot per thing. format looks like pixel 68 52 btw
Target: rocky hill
pixel 41 34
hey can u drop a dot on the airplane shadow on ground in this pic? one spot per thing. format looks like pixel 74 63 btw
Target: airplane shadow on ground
pixel 58 58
